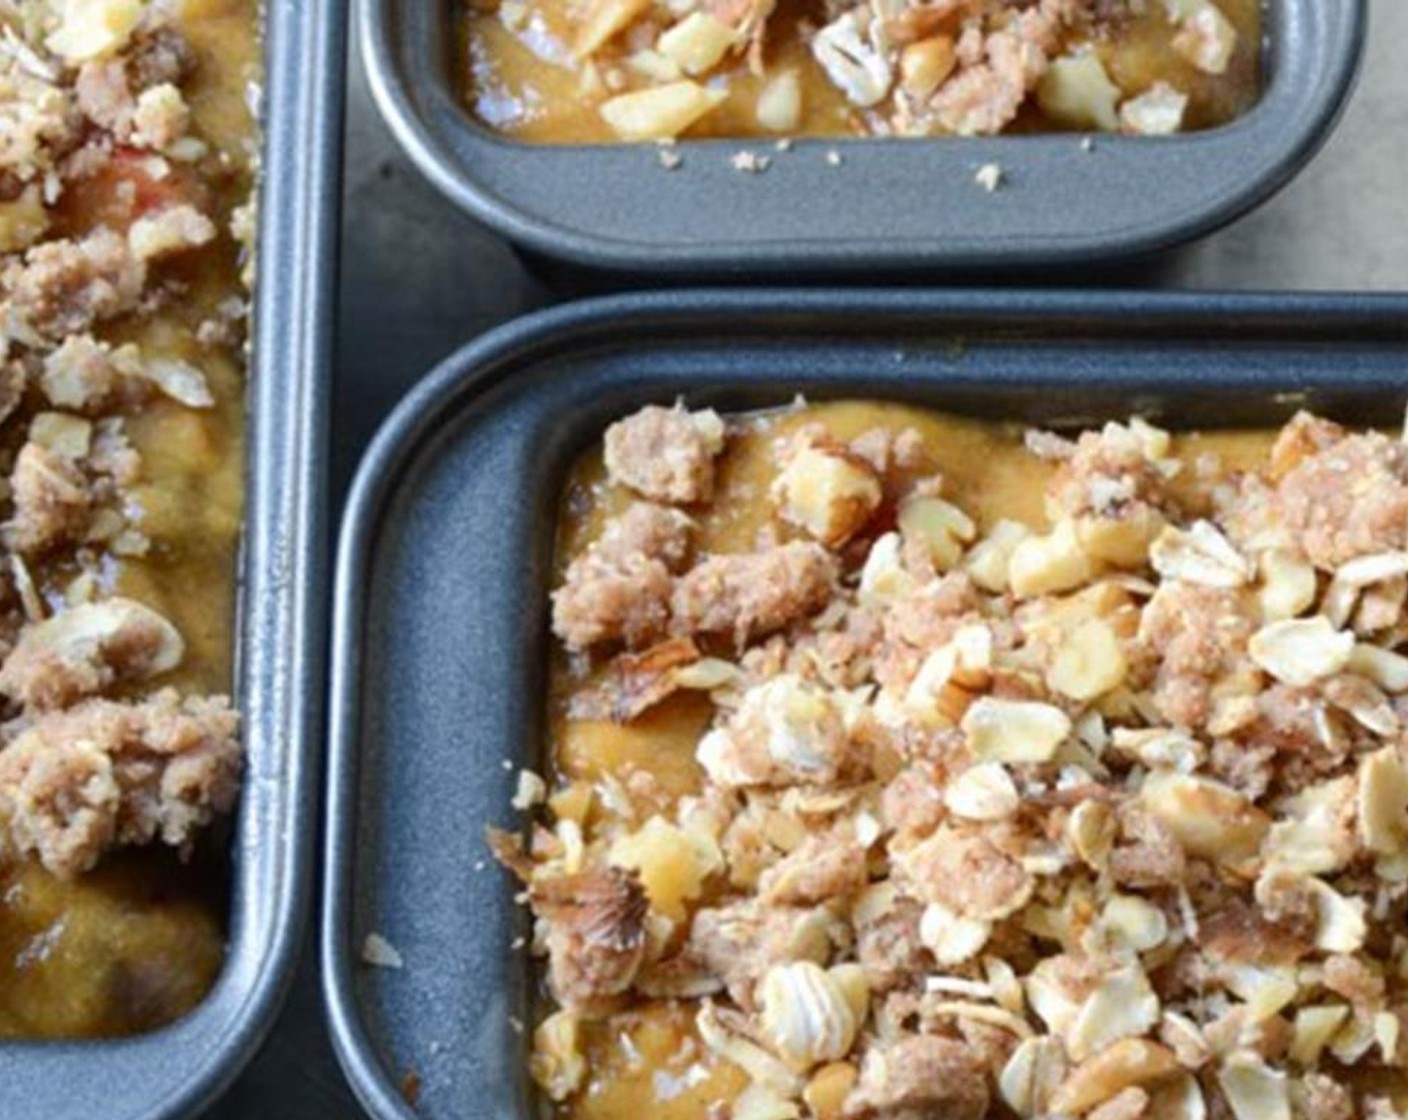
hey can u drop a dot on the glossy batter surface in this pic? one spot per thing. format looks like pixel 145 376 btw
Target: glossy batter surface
pixel 524 74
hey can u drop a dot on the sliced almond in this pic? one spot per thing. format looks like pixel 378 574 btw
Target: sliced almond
pixel 1122 1006
pixel 1313 1029
pixel 1385 668
pixel 1301 651
pixel 1211 821
pixel 952 938
pixel 985 792
pixel 1288 585
pixel 1032 1076
pixel 1160 748
pixel 805 1015
pixel 1200 554
pixel 1253 1089
pixel 1089 663
pixel 1016 731
pixel 1383 802
pixel 1180 1099
pixel 1131 1061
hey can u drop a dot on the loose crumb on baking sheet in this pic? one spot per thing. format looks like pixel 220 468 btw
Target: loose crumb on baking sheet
pixel 990 177
pixel 378 952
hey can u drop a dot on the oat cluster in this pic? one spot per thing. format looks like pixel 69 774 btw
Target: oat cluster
pixel 1105 818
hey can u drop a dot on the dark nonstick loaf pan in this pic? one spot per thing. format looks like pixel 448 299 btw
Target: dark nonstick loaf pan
pixel 440 632
pixel 177 1071
pixel 891 206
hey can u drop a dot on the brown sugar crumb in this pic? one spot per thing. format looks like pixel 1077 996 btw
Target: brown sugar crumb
pixel 921 1075
pixel 749 595
pixel 619 590
pixel 104 773
pixel 933 795
pixel 665 454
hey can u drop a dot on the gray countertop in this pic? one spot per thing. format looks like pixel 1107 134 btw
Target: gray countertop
pixel 419 279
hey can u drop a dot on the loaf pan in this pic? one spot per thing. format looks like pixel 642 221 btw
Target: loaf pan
pixel 892 206
pixel 177 1071
pixel 440 640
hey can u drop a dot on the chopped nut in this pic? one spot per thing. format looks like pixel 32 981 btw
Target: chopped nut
pixel 990 177
pixel 779 107
pixel 1206 38
pixel 380 953
pixel 697 43
pixel 1158 111
pixel 659 111
pixel 924 65
pixel 1314 1028
pixel 557 1063
pixel 532 790
pixel 1053 563
pixel 828 494
pixel 942 528
pixel 90 29
pixel 989 558
pixel 852 62
pixel 1077 91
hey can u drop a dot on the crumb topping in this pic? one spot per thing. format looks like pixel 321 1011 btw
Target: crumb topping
pixel 1099 814
pixel 106 192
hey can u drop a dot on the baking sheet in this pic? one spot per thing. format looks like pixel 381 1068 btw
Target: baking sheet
pixel 419 279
